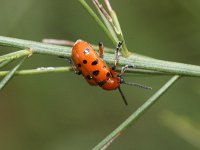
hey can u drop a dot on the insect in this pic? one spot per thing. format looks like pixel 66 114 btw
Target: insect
pixel 87 62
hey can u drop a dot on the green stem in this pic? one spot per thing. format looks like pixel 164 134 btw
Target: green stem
pixel 136 115
pixel 139 61
pixel 119 33
pixel 4 63
pixel 113 29
pixel 36 47
pixel 14 55
pixel 124 50
pixel 105 20
pixel 8 77
pixel 99 22
pixel 41 70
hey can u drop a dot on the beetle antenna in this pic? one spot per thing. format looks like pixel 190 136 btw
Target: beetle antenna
pixel 137 85
pixel 123 97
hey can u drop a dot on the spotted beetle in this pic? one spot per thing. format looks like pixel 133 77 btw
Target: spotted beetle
pixel 86 61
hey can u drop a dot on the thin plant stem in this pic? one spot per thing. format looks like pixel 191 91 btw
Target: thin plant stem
pixel 36 47
pixel 112 24
pixel 106 18
pixel 4 63
pixel 41 70
pixel 15 55
pixel 139 61
pixel 71 43
pixel 120 36
pixel 58 42
pixel 99 22
pixel 8 77
pixel 136 115
pixel 114 17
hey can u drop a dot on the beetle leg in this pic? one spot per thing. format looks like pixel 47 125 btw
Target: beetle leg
pixel 74 67
pixel 131 83
pixel 119 45
pixel 125 68
pixel 101 50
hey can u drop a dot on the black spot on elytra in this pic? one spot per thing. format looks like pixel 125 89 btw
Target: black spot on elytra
pixel 96 72
pixel 95 62
pixel 79 65
pixel 89 77
pixel 85 61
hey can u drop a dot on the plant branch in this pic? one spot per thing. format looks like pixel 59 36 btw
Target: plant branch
pixel 117 26
pixel 99 22
pixel 14 55
pixel 113 29
pixel 36 47
pixel 40 70
pixel 71 43
pixel 4 63
pixel 10 74
pixel 106 19
pixel 136 115
pixel 58 42
pixel 139 61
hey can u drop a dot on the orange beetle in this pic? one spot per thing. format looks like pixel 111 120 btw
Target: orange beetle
pixel 87 62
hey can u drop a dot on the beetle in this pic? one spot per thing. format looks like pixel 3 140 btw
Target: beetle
pixel 86 61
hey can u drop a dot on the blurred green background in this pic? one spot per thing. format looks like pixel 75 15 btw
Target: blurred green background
pixel 61 111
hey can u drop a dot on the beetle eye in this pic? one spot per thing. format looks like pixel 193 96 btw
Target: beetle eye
pixel 86 51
